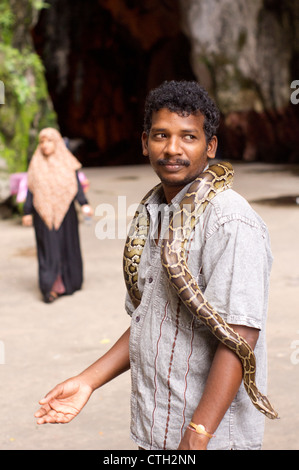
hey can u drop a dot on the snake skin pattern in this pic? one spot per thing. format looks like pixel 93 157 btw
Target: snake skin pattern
pixel 215 179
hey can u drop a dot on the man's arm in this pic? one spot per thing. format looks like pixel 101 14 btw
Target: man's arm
pixel 223 383
pixel 112 364
pixel 67 399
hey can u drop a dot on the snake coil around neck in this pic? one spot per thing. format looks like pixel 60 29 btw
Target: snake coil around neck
pixel 215 179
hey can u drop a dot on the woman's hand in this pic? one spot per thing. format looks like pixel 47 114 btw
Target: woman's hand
pixel 27 220
pixel 87 210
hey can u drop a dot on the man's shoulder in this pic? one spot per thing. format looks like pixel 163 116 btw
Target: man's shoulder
pixel 229 205
pixel 230 200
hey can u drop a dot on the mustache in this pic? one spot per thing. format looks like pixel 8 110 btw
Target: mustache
pixel 178 161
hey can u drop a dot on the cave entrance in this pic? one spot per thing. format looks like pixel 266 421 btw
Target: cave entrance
pixel 101 57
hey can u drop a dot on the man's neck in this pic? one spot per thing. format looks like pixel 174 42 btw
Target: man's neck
pixel 171 191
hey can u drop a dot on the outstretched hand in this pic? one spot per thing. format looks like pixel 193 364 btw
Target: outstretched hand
pixel 64 402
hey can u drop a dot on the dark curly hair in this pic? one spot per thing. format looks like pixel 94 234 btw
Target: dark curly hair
pixel 184 98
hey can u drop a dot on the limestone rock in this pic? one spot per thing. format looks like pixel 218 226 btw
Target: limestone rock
pixel 246 54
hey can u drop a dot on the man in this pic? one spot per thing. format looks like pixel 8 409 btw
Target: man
pixel 180 372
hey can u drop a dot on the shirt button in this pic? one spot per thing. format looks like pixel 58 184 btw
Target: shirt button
pixel 150 280
pixel 137 319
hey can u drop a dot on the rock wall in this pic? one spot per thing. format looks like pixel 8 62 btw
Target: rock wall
pixel 26 106
pixel 247 55
pixel 101 57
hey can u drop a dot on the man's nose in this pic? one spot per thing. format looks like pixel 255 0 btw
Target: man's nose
pixel 173 146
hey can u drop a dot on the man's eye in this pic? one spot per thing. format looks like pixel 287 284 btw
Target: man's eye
pixel 189 137
pixel 160 135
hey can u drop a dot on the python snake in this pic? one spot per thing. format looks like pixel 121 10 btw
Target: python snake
pixel 215 179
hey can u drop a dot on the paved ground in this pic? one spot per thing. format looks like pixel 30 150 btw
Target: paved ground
pixel 41 344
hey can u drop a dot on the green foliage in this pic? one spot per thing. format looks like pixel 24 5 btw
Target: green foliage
pixel 20 70
pixel 27 108
pixel 6 21
pixel 39 4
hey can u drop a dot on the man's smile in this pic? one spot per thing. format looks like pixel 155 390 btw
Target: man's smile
pixel 173 165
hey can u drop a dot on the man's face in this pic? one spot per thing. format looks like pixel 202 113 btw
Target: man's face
pixel 177 147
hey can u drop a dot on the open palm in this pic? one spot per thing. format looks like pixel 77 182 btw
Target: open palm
pixel 64 402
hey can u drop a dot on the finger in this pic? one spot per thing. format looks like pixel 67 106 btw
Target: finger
pixel 42 411
pixel 47 398
pixel 54 418
pixel 50 416
pixel 46 419
pixel 61 418
pixel 52 394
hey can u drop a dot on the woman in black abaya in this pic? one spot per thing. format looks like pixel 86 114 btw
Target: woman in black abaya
pixel 53 186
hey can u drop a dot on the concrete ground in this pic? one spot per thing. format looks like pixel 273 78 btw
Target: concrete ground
pixel 41 345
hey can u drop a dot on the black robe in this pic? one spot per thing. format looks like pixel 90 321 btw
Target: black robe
pixel 58 251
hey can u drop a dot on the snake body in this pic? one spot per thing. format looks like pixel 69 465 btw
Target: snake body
pixel 215 179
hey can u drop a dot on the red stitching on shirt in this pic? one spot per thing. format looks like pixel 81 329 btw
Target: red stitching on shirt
pixel 169 372
pixel 190 354
pixel 155 378
pixel 186 374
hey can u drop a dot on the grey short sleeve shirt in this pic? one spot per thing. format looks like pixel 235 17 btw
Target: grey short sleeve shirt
pixel 171 351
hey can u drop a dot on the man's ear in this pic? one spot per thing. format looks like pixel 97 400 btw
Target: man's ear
pixel 144 141
pixel 212 147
